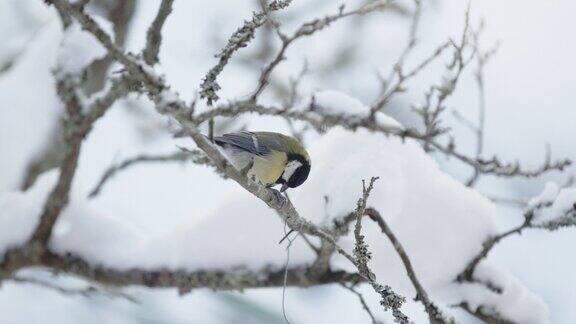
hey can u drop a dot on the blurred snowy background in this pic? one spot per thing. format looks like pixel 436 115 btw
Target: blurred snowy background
pixel 170 214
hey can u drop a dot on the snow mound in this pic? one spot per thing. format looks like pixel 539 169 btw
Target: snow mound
pixel 513 301
pixel 440 222
pixel 20 211
pixel 29 105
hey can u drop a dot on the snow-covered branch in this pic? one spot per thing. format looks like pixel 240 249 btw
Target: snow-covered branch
pixel 158 91
pixel 558 208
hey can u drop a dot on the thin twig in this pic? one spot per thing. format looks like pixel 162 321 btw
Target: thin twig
pixel 286 275
pixel 482 58
pixel 308 29
pixel 58 197
pixel 495 166
pixel 363 302
pixel 86 292
pixel 194 156
pixel 238 40
pixel 154 34
pixel 488 245
pixel 362 255
pixel 434 313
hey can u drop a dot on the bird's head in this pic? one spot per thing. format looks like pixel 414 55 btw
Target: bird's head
pixel 296 171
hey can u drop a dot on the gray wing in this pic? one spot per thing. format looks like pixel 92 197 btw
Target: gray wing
pixel 245 141
pixel 271 140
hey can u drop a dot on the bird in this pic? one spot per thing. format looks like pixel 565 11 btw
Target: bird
pixel 268 158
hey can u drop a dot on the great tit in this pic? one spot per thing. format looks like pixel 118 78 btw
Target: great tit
pixel 272 158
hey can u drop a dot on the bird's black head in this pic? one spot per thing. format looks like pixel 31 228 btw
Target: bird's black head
pixel 295 172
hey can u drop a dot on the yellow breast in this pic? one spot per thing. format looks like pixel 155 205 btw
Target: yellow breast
pixel 267 169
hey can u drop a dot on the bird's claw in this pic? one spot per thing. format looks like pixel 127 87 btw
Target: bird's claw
pixel 278 196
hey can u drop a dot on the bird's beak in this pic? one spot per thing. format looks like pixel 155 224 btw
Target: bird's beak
pixel 284 187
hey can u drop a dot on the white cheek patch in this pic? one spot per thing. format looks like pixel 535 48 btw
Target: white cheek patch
pixel 290 168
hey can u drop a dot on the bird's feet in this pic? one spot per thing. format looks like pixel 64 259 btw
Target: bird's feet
pixel 278 196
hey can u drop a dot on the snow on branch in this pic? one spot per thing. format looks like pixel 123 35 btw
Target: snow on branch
pixel 551 210
pixel 175 108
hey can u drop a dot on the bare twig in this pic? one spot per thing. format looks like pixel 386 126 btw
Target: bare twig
pixel 434 313
pixel 120 14
pixel 316 119
pixel 495 166
pixel 482 58
pixel 321 122
pixel 193 156
pixel 467 274
pixel 294 84
pixel 398 71
pixel 74 136
pixel 363 302
pixel 434 99
pixel 286 275
pixel 154 34
pixel 568 219
pixel 361 252
pixel 362 256
pixel 308 29
pixel 239 39
pixel 119 88
pixel 77 126
pixel 86 292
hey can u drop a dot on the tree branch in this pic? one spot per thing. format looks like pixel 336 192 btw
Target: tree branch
pixel 184 281
pixel 154 34
pixel 434 313
pixel 362 256
pixel 74 135
pixel 363 302
pixel 566 220
pixel 194 156
pixel 86 292
pixel 308 29
pixel 238 40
